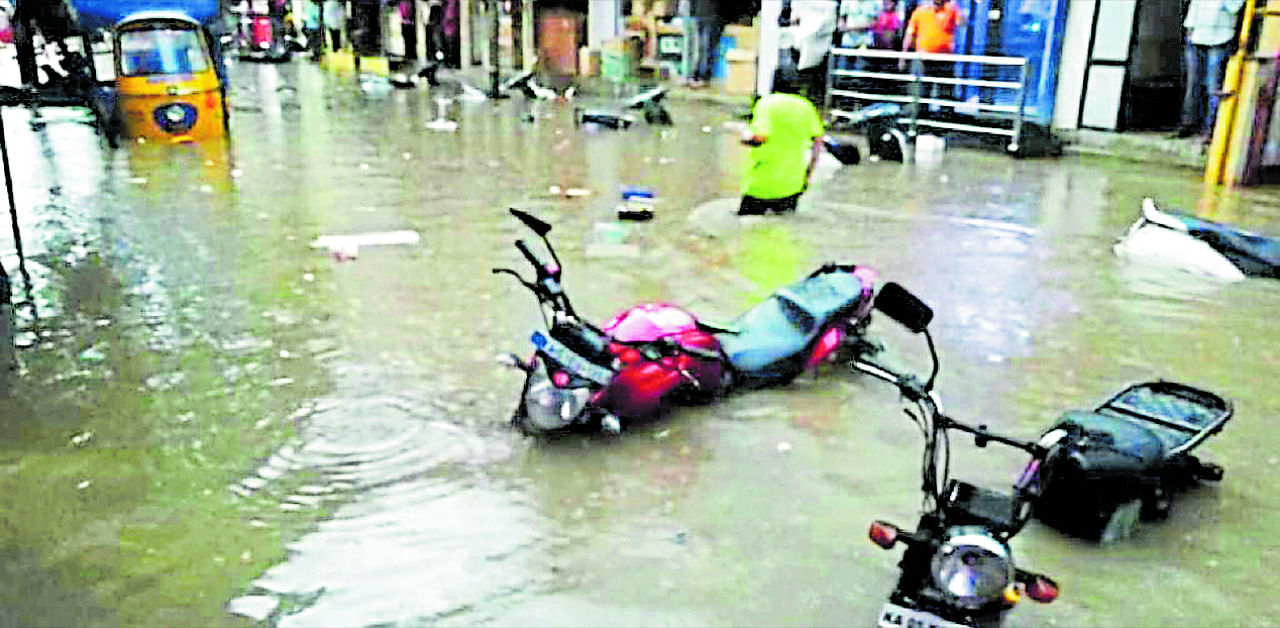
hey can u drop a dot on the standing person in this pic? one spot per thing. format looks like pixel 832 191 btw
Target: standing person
pixel 932 29
pixel 278 11
pixel 709 17
pixel 886 31
pixel 786 138
pixel 855 22
pixel 435 31
pixel 334 15
pixel 886 34
pixel 690 51
pixel 1211 29
pixel 313 27
pixel 409 28
pixel 814 27
pixel 452 29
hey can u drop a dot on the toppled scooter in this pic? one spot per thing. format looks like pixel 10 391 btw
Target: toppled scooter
pixel 649 101
pixel 1199 246
pixel 632 368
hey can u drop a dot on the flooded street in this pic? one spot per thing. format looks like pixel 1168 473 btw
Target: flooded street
pixel 310 441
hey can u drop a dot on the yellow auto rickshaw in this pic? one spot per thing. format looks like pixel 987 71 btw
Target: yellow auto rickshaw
pixel 168 87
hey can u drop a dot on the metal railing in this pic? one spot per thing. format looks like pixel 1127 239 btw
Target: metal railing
pixel 999 119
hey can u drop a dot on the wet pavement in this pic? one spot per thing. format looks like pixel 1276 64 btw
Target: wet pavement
pixel 321 442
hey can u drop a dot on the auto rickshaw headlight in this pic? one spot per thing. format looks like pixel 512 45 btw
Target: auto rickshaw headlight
pixel 176 117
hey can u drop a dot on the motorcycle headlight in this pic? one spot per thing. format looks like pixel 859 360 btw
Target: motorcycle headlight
pixel 972 568
pixel 550 407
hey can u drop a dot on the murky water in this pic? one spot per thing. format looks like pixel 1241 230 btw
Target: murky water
pixel 370 385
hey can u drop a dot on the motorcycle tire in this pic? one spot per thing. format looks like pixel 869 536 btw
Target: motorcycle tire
pixel 1118 522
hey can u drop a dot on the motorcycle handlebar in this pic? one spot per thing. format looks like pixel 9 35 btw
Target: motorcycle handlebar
pixel 914 390
pixel 533 259
pixel 908 385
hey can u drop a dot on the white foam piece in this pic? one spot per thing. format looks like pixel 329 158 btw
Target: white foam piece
pixel 377 238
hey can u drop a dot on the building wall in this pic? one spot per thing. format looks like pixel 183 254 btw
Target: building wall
pixel 1071 71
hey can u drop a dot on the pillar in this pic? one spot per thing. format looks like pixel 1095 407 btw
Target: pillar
pixel 464 34
pixel 770 33
pixel 604 22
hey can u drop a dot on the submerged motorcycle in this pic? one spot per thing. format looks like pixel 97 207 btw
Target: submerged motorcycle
pixel 583 376
pixel 1200 246
pixel 1125 460
pixel 958 570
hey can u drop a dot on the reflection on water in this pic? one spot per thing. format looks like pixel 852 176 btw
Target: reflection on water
pixel 405 500
pixel 420 535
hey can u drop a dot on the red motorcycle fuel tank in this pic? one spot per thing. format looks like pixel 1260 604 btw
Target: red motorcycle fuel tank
pixel 641 387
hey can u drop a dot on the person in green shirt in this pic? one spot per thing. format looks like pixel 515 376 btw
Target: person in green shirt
pixel 786 137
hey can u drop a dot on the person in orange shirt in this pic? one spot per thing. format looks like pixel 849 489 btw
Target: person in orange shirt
pixel 932 29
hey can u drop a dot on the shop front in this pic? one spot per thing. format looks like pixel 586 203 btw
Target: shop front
pixel 1122 66
pixel 1030 29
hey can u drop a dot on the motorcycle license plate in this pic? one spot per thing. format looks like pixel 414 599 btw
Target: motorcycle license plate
pixel 571 361
pixel 894 616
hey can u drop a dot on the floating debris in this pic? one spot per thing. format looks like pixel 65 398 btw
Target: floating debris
pixel 92 354
pixel 255 607
pixel 348 246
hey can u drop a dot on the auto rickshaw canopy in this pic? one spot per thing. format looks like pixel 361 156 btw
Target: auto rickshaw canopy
pixel 106 14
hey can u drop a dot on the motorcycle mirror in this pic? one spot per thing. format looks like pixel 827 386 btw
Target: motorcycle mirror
pixel 904 307
pixel 537 226
pixel 512 360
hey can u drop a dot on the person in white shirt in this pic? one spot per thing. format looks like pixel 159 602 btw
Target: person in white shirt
pixel 1210 29
pixel 334 16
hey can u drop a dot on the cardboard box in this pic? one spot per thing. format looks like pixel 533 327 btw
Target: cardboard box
pixel 651 7
pixel 747 37
pixel 740 71
pixel 588 62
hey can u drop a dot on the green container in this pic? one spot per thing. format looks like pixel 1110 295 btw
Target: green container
pixel 615 66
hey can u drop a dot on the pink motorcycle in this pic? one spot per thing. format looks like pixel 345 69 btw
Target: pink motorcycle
pixel 656 354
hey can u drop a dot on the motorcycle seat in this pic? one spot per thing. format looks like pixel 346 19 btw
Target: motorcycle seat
pixel 1113 443
pixel 768 333
pixel 777 330
pixel 1254 254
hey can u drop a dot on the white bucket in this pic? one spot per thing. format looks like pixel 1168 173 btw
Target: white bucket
pixel 929 148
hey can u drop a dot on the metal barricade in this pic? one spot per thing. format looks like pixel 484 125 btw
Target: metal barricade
pixel 1000 118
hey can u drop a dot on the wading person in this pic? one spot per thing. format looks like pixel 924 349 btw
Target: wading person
pixel 786 137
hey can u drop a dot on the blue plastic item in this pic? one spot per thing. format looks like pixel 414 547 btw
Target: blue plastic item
pixel 102 14
pixel 636 191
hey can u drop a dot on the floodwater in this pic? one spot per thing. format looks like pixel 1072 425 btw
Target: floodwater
pixel 348 416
